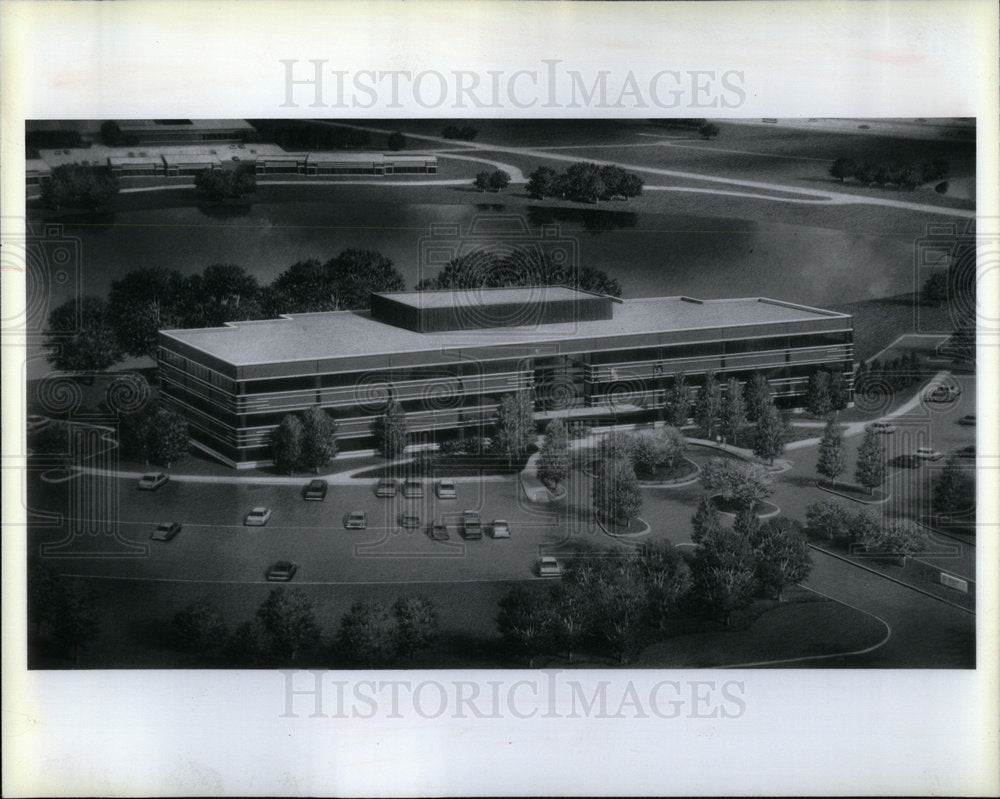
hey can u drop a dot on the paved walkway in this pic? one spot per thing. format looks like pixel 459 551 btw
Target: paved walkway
pixel 856 428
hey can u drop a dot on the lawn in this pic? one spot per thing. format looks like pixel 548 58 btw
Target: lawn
pixel 135 616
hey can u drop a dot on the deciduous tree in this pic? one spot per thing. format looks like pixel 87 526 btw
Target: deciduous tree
pixel 288 619
pixel 286 444
pixel 515 426
pixel 832 459
pixel 523 622
pixel 616 493
pixel 818 393
pixel 732 416
pixel 781 556
pixel 769 438
pixel 869 470
pixel 416 623
pixel 319 438
pixel 143 302
pixel 708 405
pixel 954 489
pixel 368 634
pixel 390 432
pixel 553 459
pixel 79 337
pixel 678 402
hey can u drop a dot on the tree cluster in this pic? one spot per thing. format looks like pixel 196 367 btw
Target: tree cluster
pixel 463 133
pixel 896 373
pixel 730 567
pixel 606 605
pixel 307 440
pixel 738 482
pixel 585 182
pixel 523 267
pixel 897 173
pixel 78 186
pixel 227 184
pixel 954 489
pixel 880 536
pixel 492 180
pixel 285 631
pixel 826 392
pixel 61 610
pixel 153 435
pixel 731 411
pixel 89 334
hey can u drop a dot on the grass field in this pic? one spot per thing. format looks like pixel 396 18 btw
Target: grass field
pixel 135 617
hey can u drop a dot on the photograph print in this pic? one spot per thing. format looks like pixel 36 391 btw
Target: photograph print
pixel 501 393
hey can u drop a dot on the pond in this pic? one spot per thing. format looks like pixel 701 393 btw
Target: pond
pixel 650 254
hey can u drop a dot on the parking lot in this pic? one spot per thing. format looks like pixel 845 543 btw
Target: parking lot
pixel 215 545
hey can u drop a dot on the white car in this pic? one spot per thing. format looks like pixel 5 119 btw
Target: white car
pixel 548 566
pixel 885 428
pixel 500 529
pixel 446 489
pixel 151 482
pixel 928 454
pixel 257 517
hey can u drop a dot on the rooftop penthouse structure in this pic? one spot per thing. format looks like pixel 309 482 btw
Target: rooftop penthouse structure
pixel 449 356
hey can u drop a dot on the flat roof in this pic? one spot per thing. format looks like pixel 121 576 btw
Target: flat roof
pixel 464 298
pixel 345 334
pixel 183 124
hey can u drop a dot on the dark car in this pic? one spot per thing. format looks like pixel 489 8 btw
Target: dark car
pixel 472 526
pixel 413 489
pixel 385 488
pixel 409 520
pixel 282 571
pixel 315 491
pixel 968 419
pixel 438 531
pixel 166 531
pixel 967 452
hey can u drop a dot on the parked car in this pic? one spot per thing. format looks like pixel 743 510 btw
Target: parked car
pixel 258 517
pixel 438 531
pixel 446 489
pixel 385 487
pixel 548 566
pixel 356 520
pixel 409 520
pixel 471 525
pixel 885 428
pixel 282 571
pixel 166 531
pixel 967 452
pixel 315 491
pixel 942 394
pixel 927 454
pixel 413 489
pixel 36 422
pixel 500 529
pixel 151 482
pixel 968 419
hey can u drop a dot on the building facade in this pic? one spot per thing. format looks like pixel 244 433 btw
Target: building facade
pixel 449 356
